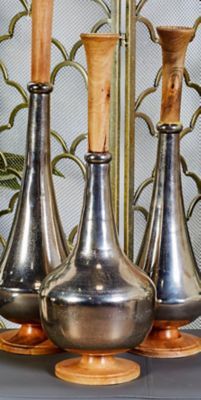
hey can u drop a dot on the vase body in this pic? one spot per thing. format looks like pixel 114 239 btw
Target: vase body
pixel 36 244
pixel 97 301
pixel 166 253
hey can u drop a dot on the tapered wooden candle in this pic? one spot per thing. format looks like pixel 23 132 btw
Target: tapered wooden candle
pixel 174 42
pixel 99 72
pixel 42 15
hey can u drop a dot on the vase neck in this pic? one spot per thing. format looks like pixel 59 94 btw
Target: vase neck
pixel 168 174
pixel 97 233
pixel 38 136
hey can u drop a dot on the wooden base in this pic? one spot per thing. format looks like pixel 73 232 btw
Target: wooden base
pixel 169 343
pixel 29 339
pixel 97 370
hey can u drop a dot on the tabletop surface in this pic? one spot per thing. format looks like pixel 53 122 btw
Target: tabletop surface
pixel 31 378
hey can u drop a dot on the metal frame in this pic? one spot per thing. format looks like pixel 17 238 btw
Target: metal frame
pixel 129 125
pixel 115 112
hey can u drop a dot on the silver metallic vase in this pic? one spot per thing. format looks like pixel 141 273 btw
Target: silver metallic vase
pixel 167 257
pixel 97 302
pixel 36 244
pixel 166 253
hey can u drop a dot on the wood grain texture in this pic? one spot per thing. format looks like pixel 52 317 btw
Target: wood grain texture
pixel 167 341
pixel 174 42
pixel 42 15
pixel 97 370
pixel 29 339
pixel 100 53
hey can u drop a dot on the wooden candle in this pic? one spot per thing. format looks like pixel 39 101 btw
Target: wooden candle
pixel 42 15
pixel 99 72
pixel 174 42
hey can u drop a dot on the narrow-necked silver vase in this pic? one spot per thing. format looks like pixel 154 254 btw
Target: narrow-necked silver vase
pixel 97 303
pixel 166 253
pixel 36 244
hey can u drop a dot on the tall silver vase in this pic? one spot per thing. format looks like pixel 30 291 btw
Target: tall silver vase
pixel 36 244
pixel 167 257
pixel 166 253
pixel 97 303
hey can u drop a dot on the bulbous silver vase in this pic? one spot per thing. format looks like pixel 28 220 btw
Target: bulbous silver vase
pixel 97 303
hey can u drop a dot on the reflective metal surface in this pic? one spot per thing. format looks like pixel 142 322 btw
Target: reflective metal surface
pixel 36 243
pixel 166 253
pixel 104 16
pixel 97 300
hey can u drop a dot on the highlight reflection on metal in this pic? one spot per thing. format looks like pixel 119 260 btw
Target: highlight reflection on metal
pixel 166 252
pixel 97 300
pixel 36 243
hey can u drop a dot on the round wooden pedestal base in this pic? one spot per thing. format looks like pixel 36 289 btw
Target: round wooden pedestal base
pixel 97 370
pixel 29 339
pixel 169 343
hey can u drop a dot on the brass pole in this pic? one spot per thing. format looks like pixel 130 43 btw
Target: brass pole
pixel 129 126
pixel 115 113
